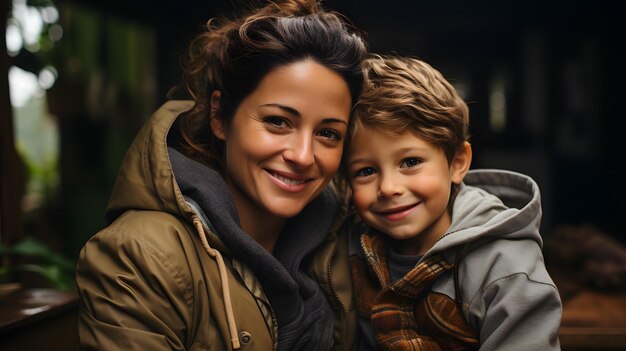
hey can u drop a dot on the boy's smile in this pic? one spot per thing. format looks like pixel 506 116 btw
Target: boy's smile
pixel 401 186
pixel 398 213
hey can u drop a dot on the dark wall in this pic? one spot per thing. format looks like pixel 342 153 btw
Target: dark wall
pixel 564 64
pixel 561 63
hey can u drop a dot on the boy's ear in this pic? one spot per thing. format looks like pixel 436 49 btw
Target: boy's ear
pixel 461 163
pixel 216 122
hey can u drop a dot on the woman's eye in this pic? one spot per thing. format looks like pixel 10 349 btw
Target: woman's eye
pixel 409 162
pixel 330 134
pixel 277 122
pixel 365 172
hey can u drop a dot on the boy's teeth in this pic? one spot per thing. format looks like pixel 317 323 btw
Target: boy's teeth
pixel 289 181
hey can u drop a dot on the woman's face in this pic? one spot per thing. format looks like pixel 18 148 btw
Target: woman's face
pixel 285 140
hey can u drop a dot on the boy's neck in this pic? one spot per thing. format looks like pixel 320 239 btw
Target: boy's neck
pixel 424 241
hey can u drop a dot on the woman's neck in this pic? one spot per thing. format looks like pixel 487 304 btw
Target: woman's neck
pixel 264 228
pixel 255 221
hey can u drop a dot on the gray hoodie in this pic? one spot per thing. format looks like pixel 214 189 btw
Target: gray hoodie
pixel 507 295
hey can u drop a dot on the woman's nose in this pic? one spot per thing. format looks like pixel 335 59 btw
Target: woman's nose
pixel 299 152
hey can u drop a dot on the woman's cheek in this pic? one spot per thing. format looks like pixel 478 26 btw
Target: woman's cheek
pixel 330 161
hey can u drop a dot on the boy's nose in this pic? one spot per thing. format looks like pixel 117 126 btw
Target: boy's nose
pixel 389 187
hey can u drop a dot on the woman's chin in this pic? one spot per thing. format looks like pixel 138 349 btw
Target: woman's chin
pixel 285 207
pixel 286 212
pixel 288 206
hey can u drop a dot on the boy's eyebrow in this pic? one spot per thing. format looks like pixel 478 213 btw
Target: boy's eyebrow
pixel 399 151
pixel 409 149
pixel 358 160
pixel 296 113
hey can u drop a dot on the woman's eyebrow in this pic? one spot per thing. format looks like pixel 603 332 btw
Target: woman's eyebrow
pixel 295 112
pixel 285 108
pixel 334 120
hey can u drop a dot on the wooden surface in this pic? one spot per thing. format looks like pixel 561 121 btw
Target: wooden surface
pixel 38 319
pixel 46 319
pixel 594 320
pixel 592 338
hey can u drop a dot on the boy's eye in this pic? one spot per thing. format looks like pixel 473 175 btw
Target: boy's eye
pixel 277 122
pixel 365 172
pixel 409 162
pixel 329 134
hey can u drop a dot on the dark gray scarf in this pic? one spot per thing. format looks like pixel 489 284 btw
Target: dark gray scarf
pixel 304 317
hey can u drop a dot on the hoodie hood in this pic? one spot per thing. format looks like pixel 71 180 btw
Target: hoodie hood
pixel 145 180
pixel 154 177
pixel 301 310
pixel 494 204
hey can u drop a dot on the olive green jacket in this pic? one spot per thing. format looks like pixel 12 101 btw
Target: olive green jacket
pixel 149 281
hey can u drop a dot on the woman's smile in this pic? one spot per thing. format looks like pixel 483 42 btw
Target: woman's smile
pixel 289 182
pixel 285 141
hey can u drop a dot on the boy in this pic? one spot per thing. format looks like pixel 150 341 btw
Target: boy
pixel 444 258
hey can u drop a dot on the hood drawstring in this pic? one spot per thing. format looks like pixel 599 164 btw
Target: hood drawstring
pixel 228 306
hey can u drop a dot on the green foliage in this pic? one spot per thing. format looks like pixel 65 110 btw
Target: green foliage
pixel 55 268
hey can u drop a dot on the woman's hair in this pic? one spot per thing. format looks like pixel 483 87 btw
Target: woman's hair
pixel 404 93
pixel 232 56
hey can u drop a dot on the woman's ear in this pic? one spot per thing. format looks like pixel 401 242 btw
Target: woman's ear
pixel 461 163
pixel 216 121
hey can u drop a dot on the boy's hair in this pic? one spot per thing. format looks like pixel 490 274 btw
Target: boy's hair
pixel 404 93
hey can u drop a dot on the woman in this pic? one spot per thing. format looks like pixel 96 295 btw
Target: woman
pixel 220 216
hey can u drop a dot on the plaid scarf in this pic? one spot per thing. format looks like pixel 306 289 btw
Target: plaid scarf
pixel 406 315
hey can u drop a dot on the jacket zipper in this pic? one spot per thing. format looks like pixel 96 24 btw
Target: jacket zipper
pixel 428 254
pixel 274 329
pixel 344 310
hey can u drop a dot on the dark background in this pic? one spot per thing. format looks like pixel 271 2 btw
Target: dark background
pixel 561 66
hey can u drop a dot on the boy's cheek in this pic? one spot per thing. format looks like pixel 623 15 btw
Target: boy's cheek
pixel 362 198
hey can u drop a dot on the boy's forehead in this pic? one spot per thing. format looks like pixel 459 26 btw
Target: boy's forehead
pixel 367 139
pixel 363 133
pixel 370 137
pixel 361 130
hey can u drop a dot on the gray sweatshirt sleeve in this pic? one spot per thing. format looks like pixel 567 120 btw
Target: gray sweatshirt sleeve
pixel 519 314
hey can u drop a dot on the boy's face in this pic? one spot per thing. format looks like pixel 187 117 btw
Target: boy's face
pixel 401 186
